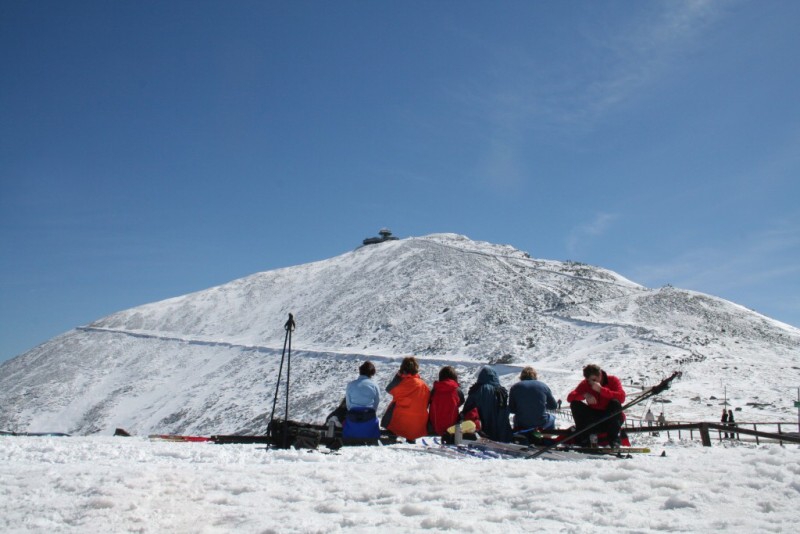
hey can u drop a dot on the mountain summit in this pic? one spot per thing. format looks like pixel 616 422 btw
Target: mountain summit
pixel 206 362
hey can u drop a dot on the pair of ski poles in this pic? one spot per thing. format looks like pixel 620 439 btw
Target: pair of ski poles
pixel 287 341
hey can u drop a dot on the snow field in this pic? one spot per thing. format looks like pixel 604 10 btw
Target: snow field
pixel 108 484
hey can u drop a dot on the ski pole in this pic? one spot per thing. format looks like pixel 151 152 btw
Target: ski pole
pixel 655 390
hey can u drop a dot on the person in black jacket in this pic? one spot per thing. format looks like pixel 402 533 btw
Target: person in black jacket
pixel 731 423
pixel 491 400
pixel 724 420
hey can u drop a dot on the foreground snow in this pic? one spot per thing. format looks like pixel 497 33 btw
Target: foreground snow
pixel 107 484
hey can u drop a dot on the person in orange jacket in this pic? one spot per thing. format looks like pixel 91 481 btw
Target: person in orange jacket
pixel 407 415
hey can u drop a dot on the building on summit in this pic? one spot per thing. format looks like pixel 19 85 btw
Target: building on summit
pixel 385 235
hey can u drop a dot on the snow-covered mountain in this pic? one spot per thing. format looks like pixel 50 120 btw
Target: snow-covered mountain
pixel 207 362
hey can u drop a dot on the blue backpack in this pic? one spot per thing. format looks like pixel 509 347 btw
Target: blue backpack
pixel 361 423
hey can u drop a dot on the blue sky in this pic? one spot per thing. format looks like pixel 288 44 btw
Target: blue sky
pixel 151 149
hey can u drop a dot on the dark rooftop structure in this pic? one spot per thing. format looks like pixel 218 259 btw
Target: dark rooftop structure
pixel 385 235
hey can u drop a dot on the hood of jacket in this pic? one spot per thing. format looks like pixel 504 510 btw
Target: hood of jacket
pixel 446 385
pixel 488 376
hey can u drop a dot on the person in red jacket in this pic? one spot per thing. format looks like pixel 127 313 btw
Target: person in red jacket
pixel 446 397
pixel 595 398
pixel 407 415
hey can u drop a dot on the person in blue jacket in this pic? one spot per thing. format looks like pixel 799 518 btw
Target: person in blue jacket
pixel 363 392
pixel 362 398
pixel 529 400
pixel 491 400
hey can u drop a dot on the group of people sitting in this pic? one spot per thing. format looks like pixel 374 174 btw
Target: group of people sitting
pixel 417 410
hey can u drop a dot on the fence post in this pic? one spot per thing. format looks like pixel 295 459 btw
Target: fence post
pixel 704 435
pixel 755 429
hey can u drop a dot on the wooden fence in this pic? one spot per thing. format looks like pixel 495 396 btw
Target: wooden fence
pixel 724 431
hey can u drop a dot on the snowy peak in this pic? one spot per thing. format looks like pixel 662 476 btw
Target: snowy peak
pixel 206 362
pixel 439 295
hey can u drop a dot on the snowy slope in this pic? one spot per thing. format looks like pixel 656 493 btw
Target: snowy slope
pixel 206 362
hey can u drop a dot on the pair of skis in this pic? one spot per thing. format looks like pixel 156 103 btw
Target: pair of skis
pixel 486 449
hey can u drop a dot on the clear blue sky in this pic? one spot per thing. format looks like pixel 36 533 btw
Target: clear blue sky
pixel 151 149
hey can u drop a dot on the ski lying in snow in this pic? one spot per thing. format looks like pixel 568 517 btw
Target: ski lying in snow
pixel 35 434
pixel 435 447
pixel 525 450
pixel 241 440
pixel 170 437
pixel 487 449
pixel 606 450
pixel 469 449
